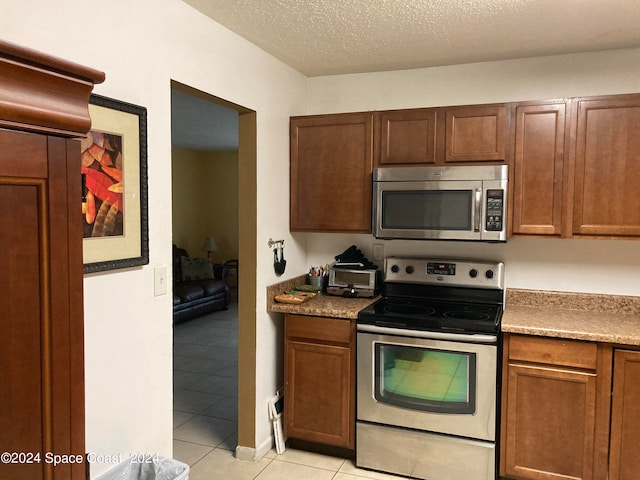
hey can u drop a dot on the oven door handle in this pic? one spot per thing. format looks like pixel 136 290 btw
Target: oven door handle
pixel 456 337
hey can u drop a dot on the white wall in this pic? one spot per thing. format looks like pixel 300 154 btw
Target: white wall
pixel 142 45
pixel 595 266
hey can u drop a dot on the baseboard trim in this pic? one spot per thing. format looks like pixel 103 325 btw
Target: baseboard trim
pixel 249 454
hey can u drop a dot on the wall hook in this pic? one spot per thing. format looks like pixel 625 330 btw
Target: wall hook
pixel 279 263
pixel 271 243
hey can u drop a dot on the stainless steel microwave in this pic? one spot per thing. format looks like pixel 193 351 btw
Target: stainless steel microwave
pixel 441 203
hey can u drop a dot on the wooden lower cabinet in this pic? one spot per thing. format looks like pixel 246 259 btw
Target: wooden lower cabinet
pixel 625 417
pixel 320 380
pixel 555 413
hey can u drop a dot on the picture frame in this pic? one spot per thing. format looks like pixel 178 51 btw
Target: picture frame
pixel 114 184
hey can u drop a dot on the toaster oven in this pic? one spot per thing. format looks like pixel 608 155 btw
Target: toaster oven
pixel 353 282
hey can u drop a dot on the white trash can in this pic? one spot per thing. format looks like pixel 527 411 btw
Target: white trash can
pixel 158 469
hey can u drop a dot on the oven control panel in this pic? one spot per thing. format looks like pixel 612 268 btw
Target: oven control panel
pixel 460 273
pixel 440 268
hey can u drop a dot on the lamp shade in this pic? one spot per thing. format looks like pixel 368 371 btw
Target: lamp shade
pixel 209 245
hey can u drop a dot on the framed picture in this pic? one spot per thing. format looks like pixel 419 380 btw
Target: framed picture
pixel 114 187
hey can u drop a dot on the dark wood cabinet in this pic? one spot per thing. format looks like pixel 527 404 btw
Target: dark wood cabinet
pixel 538 169
pixel 625 417
pixel 320 380
pixel 555 408
pixel 607 166
pixel 44 102
pixel 331 173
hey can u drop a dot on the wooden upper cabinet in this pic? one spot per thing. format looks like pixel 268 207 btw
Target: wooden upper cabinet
pixel 408 137
pixel 538 169
pixel 331 173
pixel 475 134
pixel 443 135
pixel 574 163
pixel 607 167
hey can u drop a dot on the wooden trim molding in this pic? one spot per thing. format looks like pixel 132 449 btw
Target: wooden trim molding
pixel 44 94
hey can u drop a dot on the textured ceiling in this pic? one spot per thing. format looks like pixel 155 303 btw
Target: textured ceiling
pixel 329 37
pixel 326 37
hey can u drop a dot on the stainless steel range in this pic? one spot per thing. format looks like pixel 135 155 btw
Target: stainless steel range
pixel 427 365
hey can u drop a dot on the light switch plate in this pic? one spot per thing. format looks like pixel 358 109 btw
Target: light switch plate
pixel 160 280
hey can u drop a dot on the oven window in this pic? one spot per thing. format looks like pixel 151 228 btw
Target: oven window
pixel 425 379
pixel 427 210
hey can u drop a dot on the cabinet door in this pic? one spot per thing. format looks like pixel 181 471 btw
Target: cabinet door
pixel 550 415
pixel 408 137
pixel 475 134
pixel 41 332
pixel 318 404
pixel 625 417
pixel 607 167
pixel 331 173
pixel 538 169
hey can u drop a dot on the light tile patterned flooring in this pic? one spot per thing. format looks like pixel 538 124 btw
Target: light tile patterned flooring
pixel 205 415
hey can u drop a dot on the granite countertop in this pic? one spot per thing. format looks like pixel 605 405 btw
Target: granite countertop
pixel 322 305
pixel 599 318
pixel 592 317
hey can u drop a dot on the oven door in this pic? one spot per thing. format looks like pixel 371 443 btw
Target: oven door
pixel 429 384
pixel 445 210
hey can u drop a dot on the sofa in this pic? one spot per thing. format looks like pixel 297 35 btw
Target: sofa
pixel 198 287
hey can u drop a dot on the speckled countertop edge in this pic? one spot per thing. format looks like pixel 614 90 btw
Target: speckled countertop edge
pixel 322 305
pixel 593 317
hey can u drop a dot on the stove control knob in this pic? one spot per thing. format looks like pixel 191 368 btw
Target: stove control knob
pixel 409 269
pixel 489 274
pixel 473 273
pixel 395 268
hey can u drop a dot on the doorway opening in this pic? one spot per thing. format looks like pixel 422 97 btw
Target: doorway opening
pixel 213 197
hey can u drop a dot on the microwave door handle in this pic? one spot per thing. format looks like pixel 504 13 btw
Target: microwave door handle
pixel 477 204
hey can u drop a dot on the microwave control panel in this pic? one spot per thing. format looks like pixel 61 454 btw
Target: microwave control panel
pixel 495 210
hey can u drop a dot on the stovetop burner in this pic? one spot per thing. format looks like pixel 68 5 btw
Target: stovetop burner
pixel 469 313
pixel 436 295
pixel 408 309
pixel 432 314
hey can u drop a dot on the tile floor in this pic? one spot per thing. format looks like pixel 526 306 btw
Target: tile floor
pixel 205 416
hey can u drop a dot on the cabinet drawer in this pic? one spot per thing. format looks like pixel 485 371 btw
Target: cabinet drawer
pixel 553 351
pixel 318 328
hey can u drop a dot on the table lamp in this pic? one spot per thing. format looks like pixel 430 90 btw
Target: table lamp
pixel 209 246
